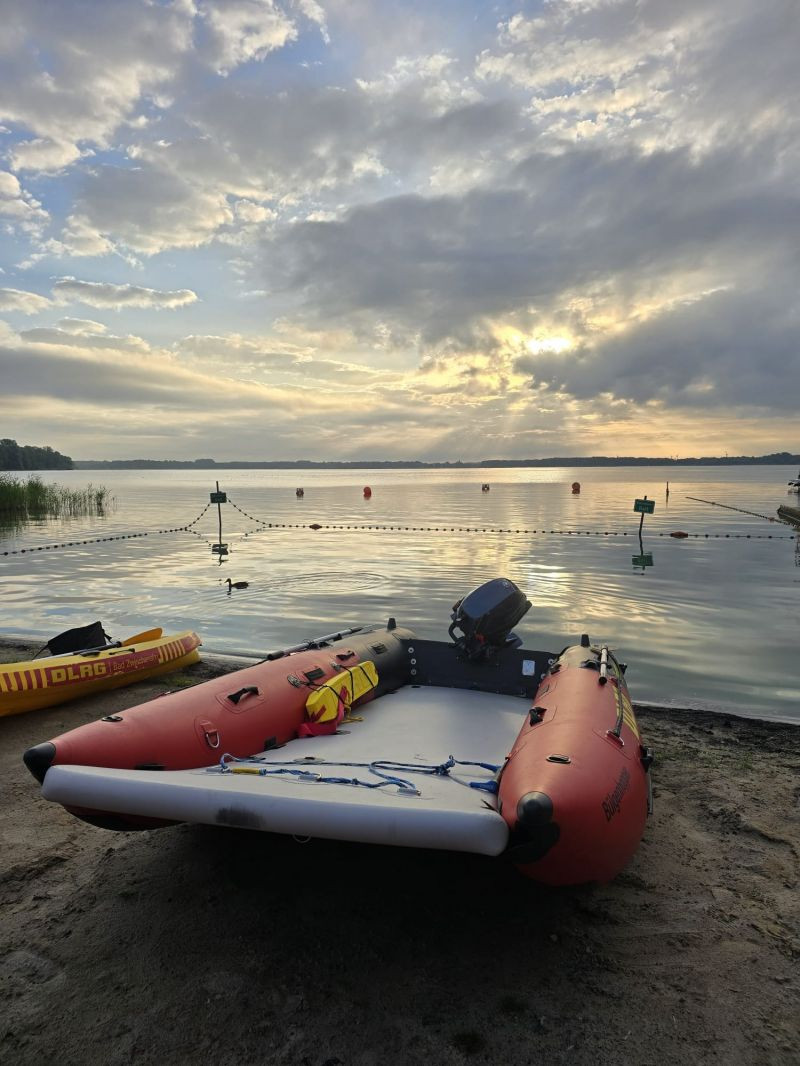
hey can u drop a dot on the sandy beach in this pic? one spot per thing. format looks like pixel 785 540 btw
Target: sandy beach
pixel 195 944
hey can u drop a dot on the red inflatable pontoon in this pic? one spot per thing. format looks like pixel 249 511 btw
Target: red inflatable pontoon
pixel 575 791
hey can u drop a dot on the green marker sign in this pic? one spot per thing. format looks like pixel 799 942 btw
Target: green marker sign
pixel 219 497
pixel 644 506
pixel 643 560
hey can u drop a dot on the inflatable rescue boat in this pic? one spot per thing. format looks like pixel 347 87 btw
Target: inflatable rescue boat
pixel 374 735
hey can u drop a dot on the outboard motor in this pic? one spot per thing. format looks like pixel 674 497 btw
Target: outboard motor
pixel 486 617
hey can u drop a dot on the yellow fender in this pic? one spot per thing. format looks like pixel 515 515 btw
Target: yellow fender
pixel 323 703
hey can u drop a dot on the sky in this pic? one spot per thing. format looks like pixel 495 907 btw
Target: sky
pixel 340 229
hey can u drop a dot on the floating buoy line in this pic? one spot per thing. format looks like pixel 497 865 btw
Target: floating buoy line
pixel 678 535
pixel 351 528
pixel 119 536
pixel 728 507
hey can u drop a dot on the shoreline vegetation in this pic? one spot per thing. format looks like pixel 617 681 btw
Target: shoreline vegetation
pixel 15 456
pixel 774 459
pixel 32 498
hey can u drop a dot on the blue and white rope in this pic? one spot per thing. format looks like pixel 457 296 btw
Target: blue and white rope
pixel 385 769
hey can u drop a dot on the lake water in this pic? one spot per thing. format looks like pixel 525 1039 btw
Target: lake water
pixel 713 622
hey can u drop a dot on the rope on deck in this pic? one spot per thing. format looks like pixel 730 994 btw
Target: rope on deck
pixel 386 770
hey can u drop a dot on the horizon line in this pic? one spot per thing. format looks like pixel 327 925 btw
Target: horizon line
pixel 773 459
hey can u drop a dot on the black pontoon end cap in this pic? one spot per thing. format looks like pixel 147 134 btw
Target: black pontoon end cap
pixel 39 759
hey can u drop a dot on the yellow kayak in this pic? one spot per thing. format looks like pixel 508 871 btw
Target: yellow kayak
pixel 28 686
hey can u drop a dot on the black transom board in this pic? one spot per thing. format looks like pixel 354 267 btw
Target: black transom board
pixel 511 672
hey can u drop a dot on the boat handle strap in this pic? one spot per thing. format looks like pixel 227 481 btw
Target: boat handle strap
pixel 249 690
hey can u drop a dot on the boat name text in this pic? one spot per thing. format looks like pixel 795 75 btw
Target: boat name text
pixel 613 801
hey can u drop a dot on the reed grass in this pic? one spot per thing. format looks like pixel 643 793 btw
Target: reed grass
pixel 32 498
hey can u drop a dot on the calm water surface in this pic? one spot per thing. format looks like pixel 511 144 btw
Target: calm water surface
pixel 713 622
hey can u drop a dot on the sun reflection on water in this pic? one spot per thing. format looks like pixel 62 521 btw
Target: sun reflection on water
pixel 707 623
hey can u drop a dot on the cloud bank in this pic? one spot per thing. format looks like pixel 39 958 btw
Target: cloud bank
pixel 105 294
pixel 485 225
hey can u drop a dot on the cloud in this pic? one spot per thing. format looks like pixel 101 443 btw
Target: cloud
pixel 240 355
pixel 105 294
pixel 634 233
pixel 315 13
pixel 733 348
pixel 480 226
pixel 44 155
pixel 17 300
pixel 73 72
pixel 144 209
pixel 77 381
pixel 311 141
pixel 58 372
pixel 651 73
pixel 206 382
pixel 19 206
pixel 87 340
pixel 81 326
pixel 247 211
pixel 272 359
pixel 78 238
pixel 242 162
pixel 241 31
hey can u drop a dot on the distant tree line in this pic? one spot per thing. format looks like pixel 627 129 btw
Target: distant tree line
pixel 775 459
pixel 15 456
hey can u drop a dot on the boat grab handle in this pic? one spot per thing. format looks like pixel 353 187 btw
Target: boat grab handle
pixel 249 690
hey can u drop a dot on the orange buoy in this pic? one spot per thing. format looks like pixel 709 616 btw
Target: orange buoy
pixel 576 488
pixel 679 534
pixel 367 492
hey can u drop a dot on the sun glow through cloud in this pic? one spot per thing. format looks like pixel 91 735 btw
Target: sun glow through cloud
pixel 554 345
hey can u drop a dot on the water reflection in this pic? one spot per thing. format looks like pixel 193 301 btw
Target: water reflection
pixel 12 524
pixel 708 624
pixel 643 559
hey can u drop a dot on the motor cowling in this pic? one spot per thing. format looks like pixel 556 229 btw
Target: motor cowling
pixel 486 617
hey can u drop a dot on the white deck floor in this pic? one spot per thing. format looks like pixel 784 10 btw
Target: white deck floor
pixel 413 726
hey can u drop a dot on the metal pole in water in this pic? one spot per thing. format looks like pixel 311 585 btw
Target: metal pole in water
pixel 643 507
pixel 219 498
